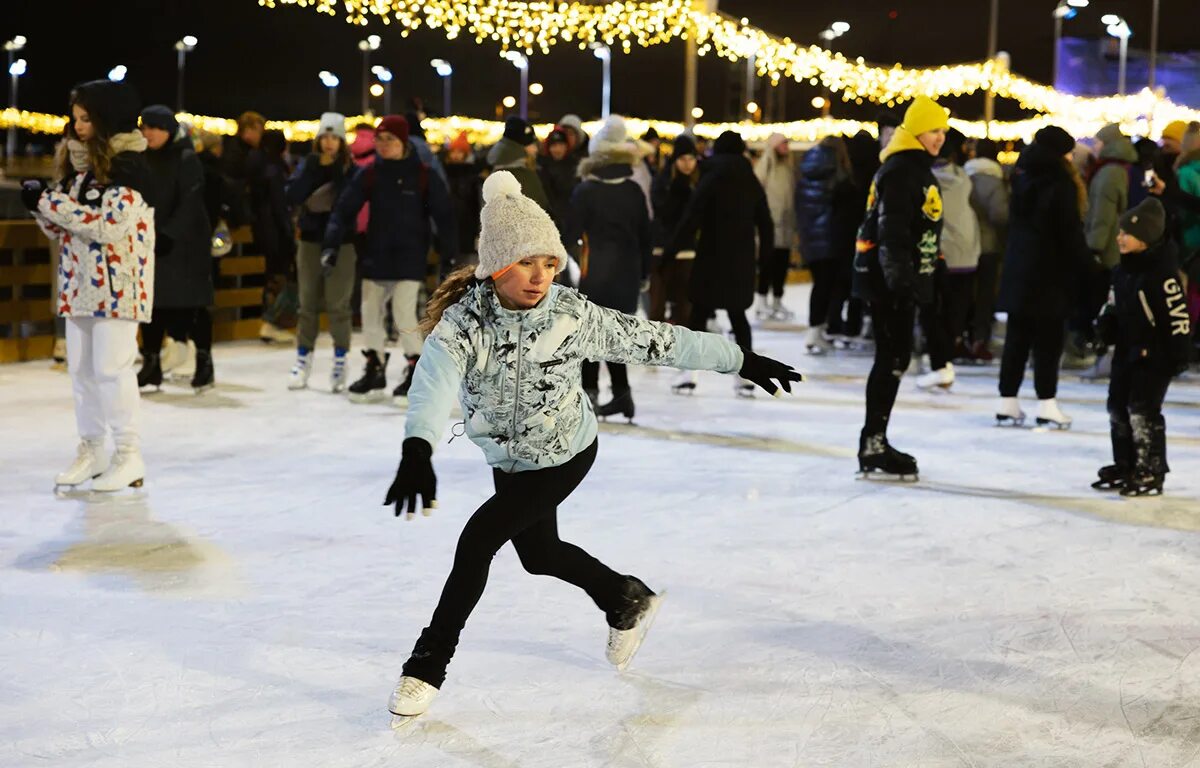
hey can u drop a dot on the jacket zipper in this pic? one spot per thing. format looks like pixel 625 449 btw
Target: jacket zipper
pixel 516 392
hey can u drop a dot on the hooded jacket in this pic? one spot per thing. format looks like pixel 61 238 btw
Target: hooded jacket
pixel 827 208
pixel 183 233
pixel 517 373
pixel 989 198
pixel 508 155
pixel 1146 316
pixel 898 242
pixel 960 226
pixel 1108 196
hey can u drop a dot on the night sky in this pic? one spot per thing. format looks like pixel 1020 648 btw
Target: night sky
pixel 253 58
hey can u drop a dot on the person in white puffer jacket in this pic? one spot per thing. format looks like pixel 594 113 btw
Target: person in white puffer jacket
pixel 509 342
pixel 105 233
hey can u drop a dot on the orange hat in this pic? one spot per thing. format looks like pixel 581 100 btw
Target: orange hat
pixel 461 143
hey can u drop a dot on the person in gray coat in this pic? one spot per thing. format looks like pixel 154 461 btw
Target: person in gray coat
pixel 960 240
pixel 989 198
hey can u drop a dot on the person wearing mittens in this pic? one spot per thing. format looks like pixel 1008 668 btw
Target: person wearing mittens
pixel 509 344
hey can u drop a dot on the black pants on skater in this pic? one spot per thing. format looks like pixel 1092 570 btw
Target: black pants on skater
pixel 772 273
pixel 524 510
pixel 893 352
pixel 960 292
pixel 1043 335
pixel 983 313
pixel 1093 293
pixel 840 296
pixel 618 376
pixel 1135 398
pixel 824 275
pixel 181 323
pixel 737 323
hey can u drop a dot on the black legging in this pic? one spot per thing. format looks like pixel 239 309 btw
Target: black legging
pixel 524 510
pixel 737 322
pixel 824 275
pixel 182 323
pixel 773 270
pixel 893 353
pixel 618 376
pixel 1042 335
pixel 960 293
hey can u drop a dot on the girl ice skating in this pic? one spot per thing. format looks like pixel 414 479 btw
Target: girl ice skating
pixel 510 343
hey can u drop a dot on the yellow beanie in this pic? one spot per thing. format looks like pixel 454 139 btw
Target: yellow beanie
pixel 924 114
pixel 1175 130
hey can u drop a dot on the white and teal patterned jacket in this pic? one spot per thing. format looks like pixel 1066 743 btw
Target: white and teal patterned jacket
pixel 517 373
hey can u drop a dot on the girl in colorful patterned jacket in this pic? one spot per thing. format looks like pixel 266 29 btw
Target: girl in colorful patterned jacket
pixel 510 343
pixel 104 229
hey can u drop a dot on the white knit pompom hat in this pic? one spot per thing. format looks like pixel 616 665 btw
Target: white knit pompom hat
pixel 513 227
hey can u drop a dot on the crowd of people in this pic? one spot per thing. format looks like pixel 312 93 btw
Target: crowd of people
pixel 914 238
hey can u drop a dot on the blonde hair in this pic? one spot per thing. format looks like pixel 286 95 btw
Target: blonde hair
pixel 446 296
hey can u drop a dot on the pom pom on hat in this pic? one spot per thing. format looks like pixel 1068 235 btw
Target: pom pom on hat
pixel 513 227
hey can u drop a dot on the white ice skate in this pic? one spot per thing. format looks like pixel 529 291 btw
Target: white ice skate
pixel 624 643
pixel 90 462
pixel 298 378
pixel 762 308
pixel 780 313
pixel 743 388
pixel 337 377
pixel 127 470
pixel 186 368
pixel 410 699
pixel 1050 415
pixel 684 383
pixel 815 341
pixel 943 378
pixel 1009 412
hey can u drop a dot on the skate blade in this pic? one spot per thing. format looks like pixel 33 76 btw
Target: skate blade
pixel 401 401
pixel 203 389
pixel 1051 424
pixel 368 397
pixel 879 476
pixel 684 389
pixel 644 628
pixel 1101 485
pixel 1009 421
pixel 399 721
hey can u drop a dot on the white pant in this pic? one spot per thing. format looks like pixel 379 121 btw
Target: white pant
pixel 404 295
pixel 100 356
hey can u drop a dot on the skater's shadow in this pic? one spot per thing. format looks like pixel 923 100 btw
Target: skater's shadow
pixel 634 738
pixel 210 400
pixel 454 742
pixel 118 536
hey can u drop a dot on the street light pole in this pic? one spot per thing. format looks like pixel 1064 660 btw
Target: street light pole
pixel 11 47
pixel 1066 9
pixel 1153 44
pixel 989 99
pixel 15 71
pixel 604 53
pixel 182 48
pixel 1119 28
pixel 445 71
pixel 519 61
pixel 385 76
pixel 330 81
pixel 366 46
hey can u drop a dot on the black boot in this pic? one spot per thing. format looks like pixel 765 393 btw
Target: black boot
pixel 374 378
pixel 406 378
pixel 634 600
pixel 151 373
pixel 621 403
pixel 875 454
pixel 203 378
pixel 1111 477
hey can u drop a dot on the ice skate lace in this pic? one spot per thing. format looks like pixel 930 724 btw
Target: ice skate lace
pixel 412 688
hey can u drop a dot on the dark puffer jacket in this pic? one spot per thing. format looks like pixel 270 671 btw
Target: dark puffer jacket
pixel 669 194
pixel 1147 314
pixel 1046 251
pixel 183 249
pixel 827 211
pixel 899 240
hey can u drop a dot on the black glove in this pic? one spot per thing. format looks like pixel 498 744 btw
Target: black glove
pixel 414 477
pixel 329 263
pixel 764 372
pixel 31 193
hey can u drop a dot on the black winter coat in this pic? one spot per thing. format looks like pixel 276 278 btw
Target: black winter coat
pixel 669 194
pixel 1046 254
pixel 899 240
pixel 559 179
pixel 308 177
pixel 183 245
pixel 223 198
pixel 1147 314
pixel 404 196
pixel 466 197
pixel 610 211
pixel 727 207
pixel 827 208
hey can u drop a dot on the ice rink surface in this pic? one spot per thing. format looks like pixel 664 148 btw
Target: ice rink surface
pixel 253 604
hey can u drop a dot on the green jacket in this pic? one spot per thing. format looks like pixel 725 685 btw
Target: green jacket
pixel 1108 197
pixel 1188 177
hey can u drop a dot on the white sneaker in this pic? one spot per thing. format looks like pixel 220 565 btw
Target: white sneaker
pixel 337 377
pixel 780 313
pixel 1009 412
pixel 411 697
pixel 815 341
pixel 90 462
pixel 127 470
pixel 624 643
pixel 942 377
pixel 1049 414
pixel 298 378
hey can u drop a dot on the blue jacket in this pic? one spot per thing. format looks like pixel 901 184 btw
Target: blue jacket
pixel 404 196
pixel 517 373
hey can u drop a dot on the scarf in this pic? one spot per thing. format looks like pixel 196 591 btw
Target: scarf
pixel 133 141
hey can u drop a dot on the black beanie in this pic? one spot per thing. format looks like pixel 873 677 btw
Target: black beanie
pixel 1054 139
pixel 952 147
pixel 885 118
pixel 1147 221
pixel 519 131
pixel 161 117
pixel 112 106
pixel 729 143
pixel 684 145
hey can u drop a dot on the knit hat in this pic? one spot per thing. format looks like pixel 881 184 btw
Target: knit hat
pixel 775 139
pixel 461 143
pixel 924 114
pixel 1110 133
pixel 729 143
pixel 952 147
pixel 160 117
pixel 513 227
pixel 396 125
pixel 886 118
pixel 1054 139
pixel 572 121
pixel 332 122
pixel 557 136
pixel 650 134
pixel 611 136
pixel 519 131
pixel 1174 130
pixel 112 106
pixel 1147 221
pixel 684 145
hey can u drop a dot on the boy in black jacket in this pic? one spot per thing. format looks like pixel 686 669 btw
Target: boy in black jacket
pixel 1147 319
